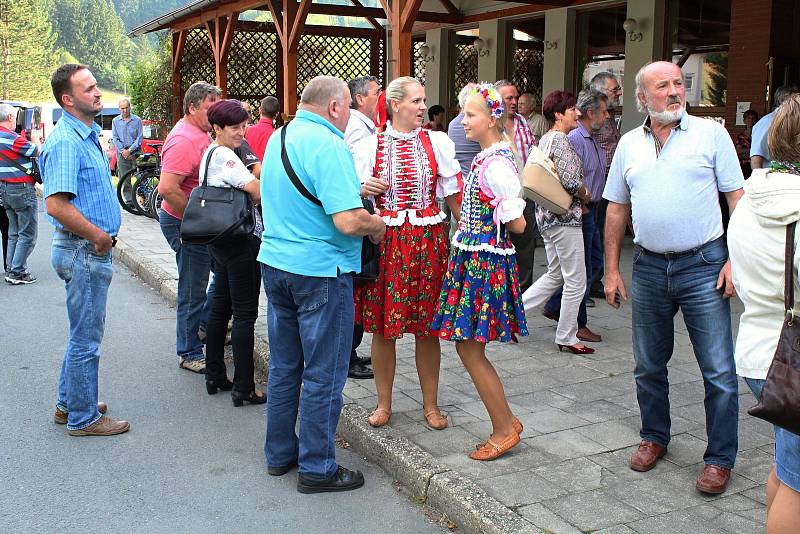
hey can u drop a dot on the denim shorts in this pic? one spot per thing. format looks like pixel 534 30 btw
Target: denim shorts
pixel 787 447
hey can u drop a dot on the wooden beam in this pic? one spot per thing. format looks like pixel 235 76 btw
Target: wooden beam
pixel 401 39
pixel 299 22
pixel 387 9
pixel 354 11
pixel 371 20
pixel 178 42
pixel 409 14
pixel 277 20
pixel 538 7
pixel 448 5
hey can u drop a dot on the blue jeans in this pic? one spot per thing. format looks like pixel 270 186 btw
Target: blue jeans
pixel 86 277
pixel 19 201
pixel 310 327
pixel 593 254
pixel 663 284
pixel 194 264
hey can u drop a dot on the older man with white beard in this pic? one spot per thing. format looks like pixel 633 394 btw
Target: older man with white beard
pixel 667 173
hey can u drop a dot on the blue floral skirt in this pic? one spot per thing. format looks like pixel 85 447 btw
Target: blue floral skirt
pixel 480 298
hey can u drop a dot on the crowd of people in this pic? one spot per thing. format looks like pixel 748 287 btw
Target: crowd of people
pixel 456 242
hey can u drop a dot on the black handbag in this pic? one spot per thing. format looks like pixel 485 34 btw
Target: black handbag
pixel 370 256
pixel 780 397
pixel 216 213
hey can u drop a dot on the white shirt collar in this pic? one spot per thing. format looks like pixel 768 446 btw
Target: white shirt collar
pixel 363 118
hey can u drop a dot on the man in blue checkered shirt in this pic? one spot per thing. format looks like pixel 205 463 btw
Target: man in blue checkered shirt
pixel 82 206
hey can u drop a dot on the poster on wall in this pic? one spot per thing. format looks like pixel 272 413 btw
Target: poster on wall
pixel 741 107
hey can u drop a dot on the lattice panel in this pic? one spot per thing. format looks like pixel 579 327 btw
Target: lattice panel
pixel 466 67
pixel 197 64
pixel 528 71
pixel 251 67
pixel 418 62
pixel 325 55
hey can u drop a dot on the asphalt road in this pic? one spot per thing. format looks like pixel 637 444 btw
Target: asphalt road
pixel 191 462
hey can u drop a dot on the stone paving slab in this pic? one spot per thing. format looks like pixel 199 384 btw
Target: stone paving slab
pixel 570 473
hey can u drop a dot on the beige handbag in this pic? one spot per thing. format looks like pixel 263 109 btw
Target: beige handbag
pixel 540 182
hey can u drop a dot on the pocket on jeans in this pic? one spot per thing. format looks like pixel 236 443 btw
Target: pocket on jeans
pixel 715 255
pixel 63 259
pixel 638 252
pixel 310 294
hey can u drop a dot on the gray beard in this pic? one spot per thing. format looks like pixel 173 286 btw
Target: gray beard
pixel 665 117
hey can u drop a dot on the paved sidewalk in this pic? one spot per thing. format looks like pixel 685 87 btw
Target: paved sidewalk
pixel 570 474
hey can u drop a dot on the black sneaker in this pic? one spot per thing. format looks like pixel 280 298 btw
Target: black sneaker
pixel 342 480
pixel 16 279
pixel 359 371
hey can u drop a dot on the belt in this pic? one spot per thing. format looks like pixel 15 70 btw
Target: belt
pixel 72 235
pixel 672 255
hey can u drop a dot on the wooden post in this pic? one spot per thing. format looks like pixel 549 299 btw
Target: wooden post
pixel 401 15
pixel 220 33
pixel 289 27
pixel 178 42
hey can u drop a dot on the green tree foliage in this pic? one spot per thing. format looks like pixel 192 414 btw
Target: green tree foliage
pixel 26 49
pixel 93 33
pixel 136 12
pixel 150 83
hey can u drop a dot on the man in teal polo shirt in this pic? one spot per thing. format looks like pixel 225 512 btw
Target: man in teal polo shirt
pixel 309 253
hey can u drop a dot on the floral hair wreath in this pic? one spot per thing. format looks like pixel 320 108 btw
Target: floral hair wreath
pixel 492 98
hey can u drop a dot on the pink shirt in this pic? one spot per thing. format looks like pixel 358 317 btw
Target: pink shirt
pixel 181 155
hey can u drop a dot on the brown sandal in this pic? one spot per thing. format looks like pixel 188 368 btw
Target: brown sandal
pixel 435 420
pixel 492 450
pixel 379 417
pixel 517 428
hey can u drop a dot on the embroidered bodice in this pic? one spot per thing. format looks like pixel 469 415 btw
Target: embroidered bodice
pixel 491 197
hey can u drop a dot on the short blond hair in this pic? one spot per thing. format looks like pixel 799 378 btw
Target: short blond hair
pixel 783 139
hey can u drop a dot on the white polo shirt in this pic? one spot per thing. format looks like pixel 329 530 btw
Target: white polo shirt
pixel 674 191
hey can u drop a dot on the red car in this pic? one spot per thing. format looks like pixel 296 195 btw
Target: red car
pixel 151 143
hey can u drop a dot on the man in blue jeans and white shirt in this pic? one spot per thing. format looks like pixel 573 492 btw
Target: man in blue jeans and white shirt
pixel 82 205
pixel 17 197
pixel 309 253
pixel 668 174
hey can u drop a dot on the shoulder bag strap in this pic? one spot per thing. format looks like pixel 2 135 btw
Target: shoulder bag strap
pixel 287 165
pixel 28 172
pixel 204 178
pixel 788 288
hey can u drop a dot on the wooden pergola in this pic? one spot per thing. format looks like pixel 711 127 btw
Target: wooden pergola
pixel 397 18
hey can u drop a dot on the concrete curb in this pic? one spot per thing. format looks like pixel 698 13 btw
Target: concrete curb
pixel 429 480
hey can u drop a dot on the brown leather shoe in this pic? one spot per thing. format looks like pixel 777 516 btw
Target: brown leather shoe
pixel 105 426
pixel 713 479
pixel 584 334
pixel 647 455
pixel 60 418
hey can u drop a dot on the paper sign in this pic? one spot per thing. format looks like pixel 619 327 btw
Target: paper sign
pixel 741 107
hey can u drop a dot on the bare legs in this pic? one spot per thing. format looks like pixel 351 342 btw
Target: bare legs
pixel 783 507
pixel 490 389
pixel 384 363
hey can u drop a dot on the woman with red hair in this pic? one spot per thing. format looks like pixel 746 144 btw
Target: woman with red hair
pixel 562 234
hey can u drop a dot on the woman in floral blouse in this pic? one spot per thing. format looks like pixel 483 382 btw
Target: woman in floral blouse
pixel 562 234
pixel 404 169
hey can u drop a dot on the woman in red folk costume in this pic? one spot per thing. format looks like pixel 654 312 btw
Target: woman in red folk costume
pixel 404 169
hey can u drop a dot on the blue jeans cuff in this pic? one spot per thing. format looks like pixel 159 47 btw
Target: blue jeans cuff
pixel 90 423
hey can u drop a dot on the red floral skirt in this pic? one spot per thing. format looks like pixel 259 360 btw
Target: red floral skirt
pixel 404 298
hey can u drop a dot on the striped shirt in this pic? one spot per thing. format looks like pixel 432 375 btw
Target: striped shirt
pixel 523 137
pixel 73 162
pixel 16 148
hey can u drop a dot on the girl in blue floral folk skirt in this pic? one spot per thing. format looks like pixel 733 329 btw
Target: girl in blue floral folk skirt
pixel 480 299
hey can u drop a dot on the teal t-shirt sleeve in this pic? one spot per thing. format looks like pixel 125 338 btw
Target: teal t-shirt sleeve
pixel 727 168
pixel 60 169
pixel 334 175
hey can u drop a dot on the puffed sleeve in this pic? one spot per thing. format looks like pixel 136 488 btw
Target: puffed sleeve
pixel 364 153
pixel 502 181
pixel 448 167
